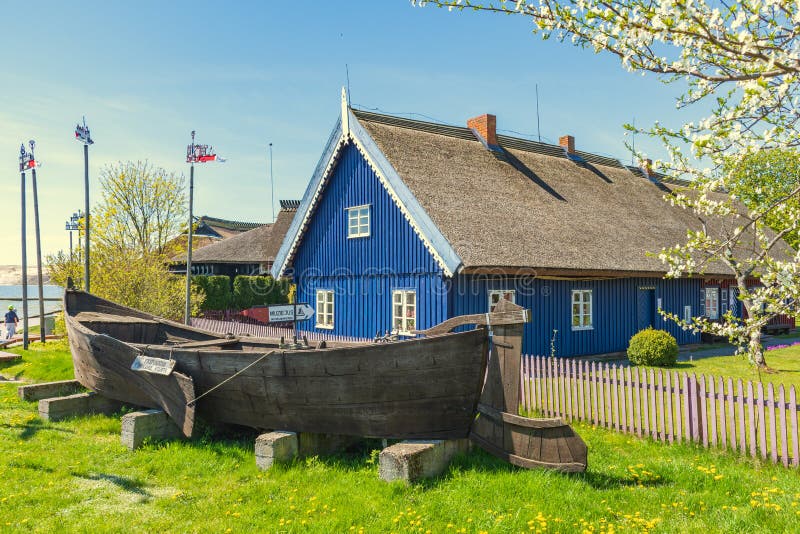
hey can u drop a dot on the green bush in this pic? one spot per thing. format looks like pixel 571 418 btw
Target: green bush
pixel 653 347
pixel 217 290
pixel 251 291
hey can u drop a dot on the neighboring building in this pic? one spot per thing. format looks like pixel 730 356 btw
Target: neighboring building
pixel 208 230
pixel 406 223
pixel 249 252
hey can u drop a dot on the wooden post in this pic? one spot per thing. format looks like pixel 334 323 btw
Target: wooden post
pixel 522 441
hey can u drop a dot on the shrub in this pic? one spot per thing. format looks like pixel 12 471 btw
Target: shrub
pixel 217 290
pixel 251 291
pixel 653 347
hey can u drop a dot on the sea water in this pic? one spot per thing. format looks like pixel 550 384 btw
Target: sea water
pixel 12 295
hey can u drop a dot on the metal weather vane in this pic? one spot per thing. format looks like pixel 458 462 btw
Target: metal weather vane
pixel 201 153
pixel 82 133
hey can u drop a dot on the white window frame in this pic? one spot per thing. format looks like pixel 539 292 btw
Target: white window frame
pixel 358 221
pixel 583 324
pixel 712 304
pixel 324 317
pixel 687 314
pixel 723 302
pixel 495 295
pixel 404 323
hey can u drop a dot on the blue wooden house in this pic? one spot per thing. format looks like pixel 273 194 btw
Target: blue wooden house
pixel 406 223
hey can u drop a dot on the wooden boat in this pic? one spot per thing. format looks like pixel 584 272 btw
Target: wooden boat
pixel 424 388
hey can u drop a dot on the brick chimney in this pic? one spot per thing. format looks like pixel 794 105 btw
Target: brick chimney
pixel 486 126
pixel 568 143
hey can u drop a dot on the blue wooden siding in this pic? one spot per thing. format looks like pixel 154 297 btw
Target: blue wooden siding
pixel 362 272
pixel 614 310
pixel 393 246
pixel 363 304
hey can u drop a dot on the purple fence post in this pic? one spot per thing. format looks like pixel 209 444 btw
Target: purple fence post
pixel 751 414
pixel 668 407
pixel 629 399
pixel 651 396
pixel 740 415
pixel 581 383
pixel 782 419
pixel 731 414
pixel 645 401
pixel 541 384
pixel 569 387
pixel 723 416
pixel 613 404
pixel 623 398
pixel 712 405
pixel 550 387
pixel 701 401
pixel 559 390
pixel 637 405
pixel 676 386
pixel 762 421
pixel 773 434
pixel 593 418
pixel 662 427
pixel 603 393
pixel 693 409
pixel 793 422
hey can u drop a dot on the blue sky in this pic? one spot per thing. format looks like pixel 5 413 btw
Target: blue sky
pixel 242 75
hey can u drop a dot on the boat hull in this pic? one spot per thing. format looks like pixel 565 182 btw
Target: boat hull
pixel 421 388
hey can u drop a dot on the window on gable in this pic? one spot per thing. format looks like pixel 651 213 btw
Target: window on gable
pixel 496 295
pixel 404 311
pixel 358 221
pixel 582 309
pixel 324 312
pixel 712 303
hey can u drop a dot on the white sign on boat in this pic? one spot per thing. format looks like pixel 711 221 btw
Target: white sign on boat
pixel 283 313
pixel 157 366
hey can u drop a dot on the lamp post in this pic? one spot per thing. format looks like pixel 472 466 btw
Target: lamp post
pixel 83 135
pixel 23 165
pixel 32 165
pixel 194 154
pixel 72 225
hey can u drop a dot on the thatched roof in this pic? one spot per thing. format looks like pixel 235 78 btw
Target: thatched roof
pixel 258 245
pixel 223 228
pixel 530 205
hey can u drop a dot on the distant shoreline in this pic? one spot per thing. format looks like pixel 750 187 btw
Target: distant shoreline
pixel 11 275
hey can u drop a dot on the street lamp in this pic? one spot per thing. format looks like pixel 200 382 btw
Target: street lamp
pixel 83 135
pixel 194 154
pixel 72 225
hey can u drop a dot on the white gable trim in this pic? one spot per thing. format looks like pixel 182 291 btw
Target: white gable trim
pixel 423 226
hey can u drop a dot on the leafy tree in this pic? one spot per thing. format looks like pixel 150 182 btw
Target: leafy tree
pixel 764 178
pixel 741 60
pixel 141 208
pixel 139 211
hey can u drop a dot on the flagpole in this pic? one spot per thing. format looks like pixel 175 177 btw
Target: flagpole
pixel 42 332
pixel 188 311
pixel 194 154
pixel 271 183
pixel 22 163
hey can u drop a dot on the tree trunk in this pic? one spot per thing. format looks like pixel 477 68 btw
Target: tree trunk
pixel 756 350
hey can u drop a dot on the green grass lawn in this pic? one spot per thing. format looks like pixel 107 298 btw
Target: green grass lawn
pixel 42 362
pixel 75 476
pixel 785 364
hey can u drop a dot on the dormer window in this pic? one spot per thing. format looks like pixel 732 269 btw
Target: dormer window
pixel 358 221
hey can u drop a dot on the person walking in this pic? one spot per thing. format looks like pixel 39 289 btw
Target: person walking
pixel 11 322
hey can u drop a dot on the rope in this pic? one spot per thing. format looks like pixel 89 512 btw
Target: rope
pixel 234 375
